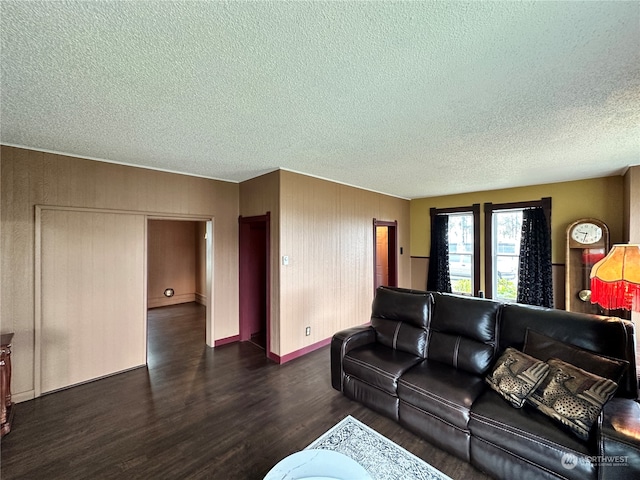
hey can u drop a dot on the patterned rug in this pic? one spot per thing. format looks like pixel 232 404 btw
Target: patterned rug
pixel 382 458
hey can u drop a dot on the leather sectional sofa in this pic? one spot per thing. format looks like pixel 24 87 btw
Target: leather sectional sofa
pixel 423 361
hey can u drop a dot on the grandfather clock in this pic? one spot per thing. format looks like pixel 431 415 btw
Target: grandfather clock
pixel 587 243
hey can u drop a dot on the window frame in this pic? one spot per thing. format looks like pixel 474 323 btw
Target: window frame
pixel 489 209
pixel 475 211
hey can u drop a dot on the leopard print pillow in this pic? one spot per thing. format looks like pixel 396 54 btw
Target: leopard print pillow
pixel 516 375
pixel 573 396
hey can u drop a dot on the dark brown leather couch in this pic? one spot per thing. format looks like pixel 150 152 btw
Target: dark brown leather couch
pixel 422 362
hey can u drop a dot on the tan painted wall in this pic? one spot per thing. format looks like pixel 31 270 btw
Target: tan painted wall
pixel 327 232
pixel 171 261
pixel 600 198
pixel 257 197
pixel 30 178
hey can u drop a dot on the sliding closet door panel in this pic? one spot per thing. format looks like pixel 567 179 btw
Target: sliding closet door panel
pixel 92 294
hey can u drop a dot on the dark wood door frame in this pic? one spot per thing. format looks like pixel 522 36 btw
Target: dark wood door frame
pixel 244 270
pixel 392 249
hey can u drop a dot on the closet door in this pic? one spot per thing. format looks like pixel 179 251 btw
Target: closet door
pixel 92 319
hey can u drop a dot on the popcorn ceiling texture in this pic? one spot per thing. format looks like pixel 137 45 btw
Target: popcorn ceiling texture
pixel 412 99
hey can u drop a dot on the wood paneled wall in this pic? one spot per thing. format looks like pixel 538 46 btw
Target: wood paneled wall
pixel 419 269
pixel 325 228
pixel 32 178
pixel 327 231
pixel 91 320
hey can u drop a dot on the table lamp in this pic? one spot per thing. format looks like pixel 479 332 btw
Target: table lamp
pixel 615 280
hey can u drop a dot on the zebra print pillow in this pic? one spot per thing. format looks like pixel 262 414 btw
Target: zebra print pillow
pixel 573 396
pixel 516 375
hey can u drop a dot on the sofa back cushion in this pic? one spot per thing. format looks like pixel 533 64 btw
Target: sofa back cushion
pixel 609 336
pixel 545 348
pixel 463 332
pixel 401 317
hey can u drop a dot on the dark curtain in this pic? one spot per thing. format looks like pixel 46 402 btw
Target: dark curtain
pixel 535 285
pixel 438 276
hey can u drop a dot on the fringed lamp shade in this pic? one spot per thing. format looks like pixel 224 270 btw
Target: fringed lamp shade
pixel 615 280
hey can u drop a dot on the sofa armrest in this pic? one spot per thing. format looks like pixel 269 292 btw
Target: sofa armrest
pixel 344 341
pixel 619 440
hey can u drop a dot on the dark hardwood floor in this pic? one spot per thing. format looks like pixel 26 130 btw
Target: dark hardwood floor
pixel 194 412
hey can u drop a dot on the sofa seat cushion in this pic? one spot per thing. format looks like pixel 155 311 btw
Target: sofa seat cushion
pixel 527 433
pixel 441 390
pixel 378 365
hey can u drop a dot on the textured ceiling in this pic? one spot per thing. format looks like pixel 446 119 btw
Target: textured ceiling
pixel 412 99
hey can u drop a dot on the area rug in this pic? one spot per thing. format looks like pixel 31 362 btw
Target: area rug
pixel 382 458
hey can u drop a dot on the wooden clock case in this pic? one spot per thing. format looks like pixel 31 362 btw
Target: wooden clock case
pixel 579 261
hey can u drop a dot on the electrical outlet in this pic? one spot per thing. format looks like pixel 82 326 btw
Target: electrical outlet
pixel 307 331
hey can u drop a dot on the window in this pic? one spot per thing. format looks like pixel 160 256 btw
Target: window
pixel 507 225
pixel 464 247
pixel 461 244
pixel 503 226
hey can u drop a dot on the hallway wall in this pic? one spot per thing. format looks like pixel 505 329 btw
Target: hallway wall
pixel 172 261
pixel 30 178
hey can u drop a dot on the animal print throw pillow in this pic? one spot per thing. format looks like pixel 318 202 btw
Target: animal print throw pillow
pixel 573 396
pixel 516 375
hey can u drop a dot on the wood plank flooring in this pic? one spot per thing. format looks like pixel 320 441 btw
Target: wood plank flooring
pixel 194 412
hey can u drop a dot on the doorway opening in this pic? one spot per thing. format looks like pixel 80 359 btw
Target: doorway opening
pixel 179 273
pixel 385 253
pixel 254 276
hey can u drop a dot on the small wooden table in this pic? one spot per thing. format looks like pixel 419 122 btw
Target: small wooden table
pixel 6 407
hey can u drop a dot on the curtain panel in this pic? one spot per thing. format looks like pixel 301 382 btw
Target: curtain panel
pixel 535 286
pixel 438 279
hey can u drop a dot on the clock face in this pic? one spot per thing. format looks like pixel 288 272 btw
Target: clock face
pixel 586 233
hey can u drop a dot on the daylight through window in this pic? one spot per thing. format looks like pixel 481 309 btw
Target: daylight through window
pixel 507 225
pixel 461 249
